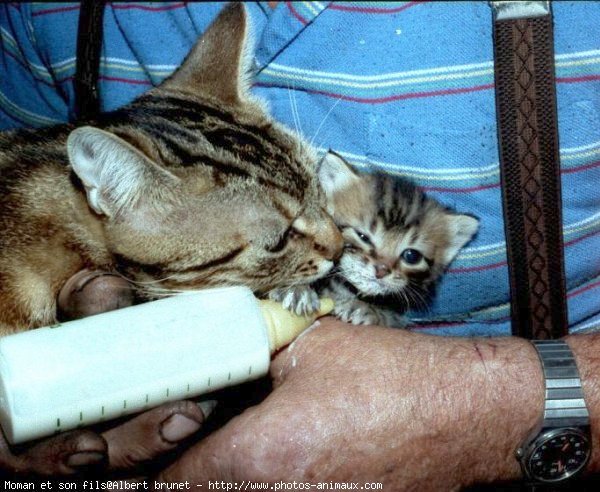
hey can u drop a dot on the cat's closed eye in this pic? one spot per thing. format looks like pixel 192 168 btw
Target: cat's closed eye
pixel 290 234
pixel 282 243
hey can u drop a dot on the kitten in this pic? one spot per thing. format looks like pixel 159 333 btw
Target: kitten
pixel 191 185
pixel 397 241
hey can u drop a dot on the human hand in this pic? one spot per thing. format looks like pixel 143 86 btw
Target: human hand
pixel 356 404
pixel 90 292
pixel 122 447
pixel 125 447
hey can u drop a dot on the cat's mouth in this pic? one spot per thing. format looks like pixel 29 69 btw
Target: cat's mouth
pixel 371 286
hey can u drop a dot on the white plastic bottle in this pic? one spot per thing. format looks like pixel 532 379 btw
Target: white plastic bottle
pixel 105 366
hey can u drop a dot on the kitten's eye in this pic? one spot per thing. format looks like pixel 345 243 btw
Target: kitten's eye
pixel 363 237
pixel 411 256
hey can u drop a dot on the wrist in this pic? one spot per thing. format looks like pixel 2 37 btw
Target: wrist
pixel 585 350
pixel 490 394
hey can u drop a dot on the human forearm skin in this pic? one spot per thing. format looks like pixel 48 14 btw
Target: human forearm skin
pixel 408 410
pixel 587 355
pixel 500 413
pixel 483 396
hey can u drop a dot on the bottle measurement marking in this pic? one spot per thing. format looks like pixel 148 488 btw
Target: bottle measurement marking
pixel 208 382
pixel 229 377
pixel 188 387
pixel 58 423
pixel 102 411
pixel 80 416
pixel 167 392
pixel 249 370
pixel 124 404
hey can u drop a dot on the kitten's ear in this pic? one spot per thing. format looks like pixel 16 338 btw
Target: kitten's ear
pixel 216 65
pixel 335 174
pixel 114 173
pixel 461 229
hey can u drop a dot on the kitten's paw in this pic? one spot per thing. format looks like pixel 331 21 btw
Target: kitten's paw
pixel 357 313
pixel 360 313
pixel 301 300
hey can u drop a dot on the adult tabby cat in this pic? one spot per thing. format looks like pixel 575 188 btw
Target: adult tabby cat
pixel 190 185
pixel 398 241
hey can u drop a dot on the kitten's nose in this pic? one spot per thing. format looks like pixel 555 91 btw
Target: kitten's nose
pixel 381 270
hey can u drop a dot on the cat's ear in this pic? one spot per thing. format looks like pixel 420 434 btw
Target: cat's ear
pixel 335 174
pixel 218 63
pixel 461 229
pixel 114 173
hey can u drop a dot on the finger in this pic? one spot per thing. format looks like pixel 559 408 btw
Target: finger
pixel 210 459
pixel 155 432
pixel 249 446
pixel 91 292
pixel 64 454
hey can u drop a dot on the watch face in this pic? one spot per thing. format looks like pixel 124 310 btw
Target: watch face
pixel 558 454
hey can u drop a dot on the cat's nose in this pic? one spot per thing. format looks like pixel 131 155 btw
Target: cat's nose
pixel 337 245
pixel 381 270
pixel 333 246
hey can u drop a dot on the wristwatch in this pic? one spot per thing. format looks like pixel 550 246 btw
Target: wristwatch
pixel 559 446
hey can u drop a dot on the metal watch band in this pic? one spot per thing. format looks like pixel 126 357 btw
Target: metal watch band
pixel 564 405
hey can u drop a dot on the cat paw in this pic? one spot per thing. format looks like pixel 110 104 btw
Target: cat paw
pixel 301 300
pixel 364 314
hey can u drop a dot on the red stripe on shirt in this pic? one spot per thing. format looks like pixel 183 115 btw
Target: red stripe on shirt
pixel 372 10
pixel 56 10
pixel 477 268
pixel 396 97
pixel 581 290
pixel 460 190
pixel 585 236
pixel 125 81
pixel 162 8
pixel 503 263
pixel 580 168
pixel 583 78
pixel 295 13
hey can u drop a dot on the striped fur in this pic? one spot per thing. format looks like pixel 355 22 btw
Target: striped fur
pixel 191 185
pixel 397 241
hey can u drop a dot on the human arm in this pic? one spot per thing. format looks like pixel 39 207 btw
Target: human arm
pixel 118 446
pixel 383 405
pixel 126 447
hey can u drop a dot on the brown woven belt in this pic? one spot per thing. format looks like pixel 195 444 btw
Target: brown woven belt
pixel 530 167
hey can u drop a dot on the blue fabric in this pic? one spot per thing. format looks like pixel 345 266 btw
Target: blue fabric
pixel 402 86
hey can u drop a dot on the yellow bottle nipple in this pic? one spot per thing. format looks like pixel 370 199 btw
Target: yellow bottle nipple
pixel 283 325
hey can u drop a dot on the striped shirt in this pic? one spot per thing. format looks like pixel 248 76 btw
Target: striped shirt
pixel 406 87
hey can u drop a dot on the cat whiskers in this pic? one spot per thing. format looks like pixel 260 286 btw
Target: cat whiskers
pixel 418 297
pixel 312 140
pixel 152 288
pixel 162 291
pixel 295 113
